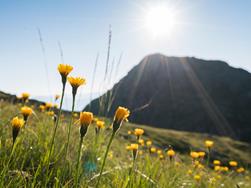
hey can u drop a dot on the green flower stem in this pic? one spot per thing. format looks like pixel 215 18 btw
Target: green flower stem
pixel 56 124
pixel 106 153
pixel 79 154
pixel 69 128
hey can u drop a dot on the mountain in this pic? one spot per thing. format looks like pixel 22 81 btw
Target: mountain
pixel 184 93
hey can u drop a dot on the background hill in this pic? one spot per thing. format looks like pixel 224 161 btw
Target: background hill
pixel 184 93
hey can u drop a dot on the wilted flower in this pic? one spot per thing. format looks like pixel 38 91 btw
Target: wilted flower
pixel 26 112
pixel 17 124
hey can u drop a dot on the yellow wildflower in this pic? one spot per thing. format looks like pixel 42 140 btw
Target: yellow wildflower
pixel 170 152
pixel 121 114
pixel 194 154
pixel 216 162
pixel 17 122
pixel 149 143
pixel 197 177
pixel 138 132
pixel 64 69
pixel 233 163
pixel 240 170
pixel 202 154
pixel 100 124
pixel 153 150
pixel 25 96
pixel 26 112
pixel 209 143
pixel 85 120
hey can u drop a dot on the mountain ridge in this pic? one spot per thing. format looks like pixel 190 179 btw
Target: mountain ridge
pixel 184 93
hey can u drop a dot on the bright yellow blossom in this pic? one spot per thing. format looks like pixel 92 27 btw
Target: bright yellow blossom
pixel 100 124
pixel 17 122
pixel 216 162
pixel 26 112
pixel 194 154
pixel 138 132
pixel 197 177
pixel 240 170
pixel 170 152
pixel 64 69
pixel 209 143
pixel 233 163
pixel 121 114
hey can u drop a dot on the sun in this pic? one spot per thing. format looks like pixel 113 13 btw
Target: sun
pixel 160 20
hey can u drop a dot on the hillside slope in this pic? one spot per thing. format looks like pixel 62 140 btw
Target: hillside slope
pixel 184 93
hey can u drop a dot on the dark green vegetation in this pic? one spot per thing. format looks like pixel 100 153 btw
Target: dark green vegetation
pixel 184 93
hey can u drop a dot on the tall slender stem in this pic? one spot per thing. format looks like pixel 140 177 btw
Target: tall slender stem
pixel 57 122
pixel 69 128
pixel 106 153
pixel 79 154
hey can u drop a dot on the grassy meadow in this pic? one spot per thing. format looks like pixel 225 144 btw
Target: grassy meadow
pixel 42 146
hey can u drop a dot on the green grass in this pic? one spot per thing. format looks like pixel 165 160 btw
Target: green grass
pixel 25 165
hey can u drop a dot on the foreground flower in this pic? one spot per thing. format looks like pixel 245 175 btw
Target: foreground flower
pixel 64 70
pixel 121 114
pixel 26 112
pixel 233 163
pixel 85 120
pixel 17 124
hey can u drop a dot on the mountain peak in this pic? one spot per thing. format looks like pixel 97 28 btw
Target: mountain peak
pixel 184 93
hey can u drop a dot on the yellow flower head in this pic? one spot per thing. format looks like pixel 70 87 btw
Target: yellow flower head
pixel 194 154
pixel 17 122
pixel 161 156
pixel 202 154
pixel 76 81
pixel 134 146
pixel 189 172
pixel 141 142
pixel 216 162
pixel 64 69
pixel 121 114
pixel 26 111
pixel 85 118
pixel 138 132
pixel 100 124
pixel 170 152
pixel 153 150
pixel 50 113
pixel 224 168
pixel 48 105
pixel 197 177
pixel 217 168
pixel 240 170
pixel 209 143
pixel 42 107
pixel 129 132
pixel 159 151
pixel 149 143
pixel 25 96
pixel 233 163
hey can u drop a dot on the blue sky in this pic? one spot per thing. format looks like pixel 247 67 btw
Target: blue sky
pixel 209 29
